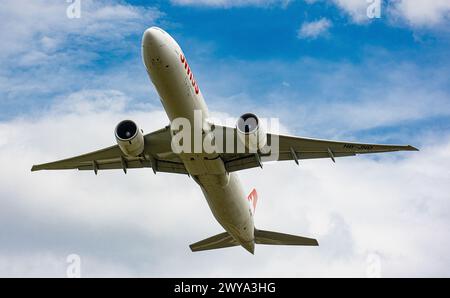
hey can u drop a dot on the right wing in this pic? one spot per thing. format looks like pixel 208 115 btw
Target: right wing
pixel 157 155
pixel 297 148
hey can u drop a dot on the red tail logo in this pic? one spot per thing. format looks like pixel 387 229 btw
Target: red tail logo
pixel 253 199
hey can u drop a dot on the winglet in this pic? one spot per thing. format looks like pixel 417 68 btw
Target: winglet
pixel 412 148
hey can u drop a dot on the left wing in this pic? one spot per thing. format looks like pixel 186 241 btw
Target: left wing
pixel 157 155
pixel 296 148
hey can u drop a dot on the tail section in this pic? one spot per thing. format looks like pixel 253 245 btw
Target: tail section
pixel 274 238
pixel 253 200
pixel 224 240
pixel 218 241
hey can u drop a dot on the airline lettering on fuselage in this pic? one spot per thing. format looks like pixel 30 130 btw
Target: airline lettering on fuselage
pixel 189 73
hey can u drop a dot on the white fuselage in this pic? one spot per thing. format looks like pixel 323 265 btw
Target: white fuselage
pixel 173 79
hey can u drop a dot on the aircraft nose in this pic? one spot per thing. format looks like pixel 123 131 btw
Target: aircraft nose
pixel 150 37
pixel 152 42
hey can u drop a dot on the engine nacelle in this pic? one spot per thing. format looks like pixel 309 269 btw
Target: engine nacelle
pixel 129 138
pixel 250 132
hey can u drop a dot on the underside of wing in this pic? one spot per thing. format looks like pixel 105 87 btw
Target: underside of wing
pixel 157 155
pixel 283 147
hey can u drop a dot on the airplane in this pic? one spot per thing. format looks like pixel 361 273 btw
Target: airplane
pixel 214 172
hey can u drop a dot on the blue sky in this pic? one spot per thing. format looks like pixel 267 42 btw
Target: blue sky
pixel 252 49
pixel 254 33
pixel 322 67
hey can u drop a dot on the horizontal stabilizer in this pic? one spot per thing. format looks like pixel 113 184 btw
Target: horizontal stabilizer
pixel 218 241
pixel 274 238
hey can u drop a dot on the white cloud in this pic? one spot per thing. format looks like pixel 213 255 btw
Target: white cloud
pixel 231 3
pixel 422 13
pixel 40 25
pixel 133 225
pixel 92 101
pixel 312 30
pixel 415 13
pixel 45 49
pixel 357 9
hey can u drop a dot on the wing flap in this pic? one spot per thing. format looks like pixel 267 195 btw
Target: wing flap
pixel 250 161
pixel 115 164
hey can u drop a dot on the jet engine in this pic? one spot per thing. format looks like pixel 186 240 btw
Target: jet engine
pixel 129 138
pixel 250 132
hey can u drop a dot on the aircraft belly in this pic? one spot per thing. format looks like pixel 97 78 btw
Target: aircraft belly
pixel 203 164
pixel 175 88
pixel 228 205
pixel 176 98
